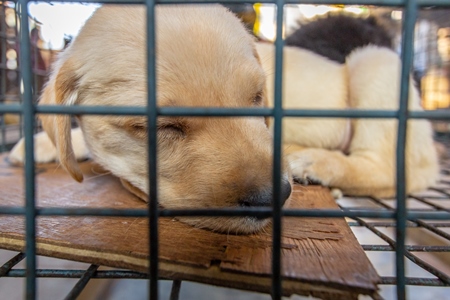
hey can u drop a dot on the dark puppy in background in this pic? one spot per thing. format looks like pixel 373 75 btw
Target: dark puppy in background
pixel 335 36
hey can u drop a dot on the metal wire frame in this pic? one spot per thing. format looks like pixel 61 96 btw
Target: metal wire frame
pixel 401 215
pixel 441 279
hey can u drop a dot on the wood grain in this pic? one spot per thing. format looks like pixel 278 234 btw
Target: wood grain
pixel 320 257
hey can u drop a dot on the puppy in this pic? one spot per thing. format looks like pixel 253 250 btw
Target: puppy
pixel 205 58
pixel 356 156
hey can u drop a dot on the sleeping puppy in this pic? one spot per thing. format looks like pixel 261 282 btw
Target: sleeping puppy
pixel 205 58
pixel 356 156
pixel 346 62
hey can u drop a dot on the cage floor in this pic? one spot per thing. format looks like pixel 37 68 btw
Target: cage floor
pixel 320 256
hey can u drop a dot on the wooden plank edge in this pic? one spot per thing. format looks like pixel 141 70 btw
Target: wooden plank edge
pixel 168 270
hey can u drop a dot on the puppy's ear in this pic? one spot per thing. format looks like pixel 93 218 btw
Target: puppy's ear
pixel 62 90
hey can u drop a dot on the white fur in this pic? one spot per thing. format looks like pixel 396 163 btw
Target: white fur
pixel 45 151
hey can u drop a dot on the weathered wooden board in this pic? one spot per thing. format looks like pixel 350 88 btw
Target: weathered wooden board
pixel 319 256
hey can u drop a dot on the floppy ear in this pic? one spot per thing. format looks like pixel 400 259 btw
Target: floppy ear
pixel 62 90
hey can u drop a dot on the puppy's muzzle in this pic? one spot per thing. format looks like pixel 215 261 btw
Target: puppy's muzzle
pixel 264 198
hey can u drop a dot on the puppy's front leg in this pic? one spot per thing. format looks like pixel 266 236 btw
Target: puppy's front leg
pixel 363 174
pixel 45 151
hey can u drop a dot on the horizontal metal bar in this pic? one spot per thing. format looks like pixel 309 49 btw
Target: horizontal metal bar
pixel 114 274
pixel 393 224
pixel 222 112
pixel 91 110
pixel 414 281
pixel 380 224
pixel 58 273
pixel 229 212
pixel 422 210
pixel 412 248
pixel 11 263
pixel 308 113
pixel 10 108
pixel 199 111
pixel 430 114
pixel 58 211
pixel 321 2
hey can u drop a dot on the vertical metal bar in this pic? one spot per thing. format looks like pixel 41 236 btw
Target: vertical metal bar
pixel 3 73
pixel 81 284
pixel 175 292
pixel 152 149
pixel 407 54
pixel 278 114
pixel 28 113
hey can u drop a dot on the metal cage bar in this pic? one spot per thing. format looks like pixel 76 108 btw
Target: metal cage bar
pixel 276 172
pixel 402 216
pixel 81 284
pixel 406 56
pixel 28 113
pixel 152 115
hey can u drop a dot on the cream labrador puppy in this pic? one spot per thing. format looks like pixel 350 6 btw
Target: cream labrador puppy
pixel 205 58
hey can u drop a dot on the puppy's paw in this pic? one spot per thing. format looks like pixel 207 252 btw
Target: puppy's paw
pixel 337 193
pixel 44 150
pixel 306 180
pixel 313 166
pixel 17 154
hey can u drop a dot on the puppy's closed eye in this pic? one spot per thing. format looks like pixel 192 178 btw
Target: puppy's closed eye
pixel 136 129
pixel 167 129
pixel 171 131
pixel 258 99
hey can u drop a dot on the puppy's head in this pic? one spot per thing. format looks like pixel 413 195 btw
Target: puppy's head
pixel 205 58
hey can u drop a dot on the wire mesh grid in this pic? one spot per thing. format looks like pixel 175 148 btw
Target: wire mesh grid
pixel 395 215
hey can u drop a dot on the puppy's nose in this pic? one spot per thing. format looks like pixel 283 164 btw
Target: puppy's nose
pixel 265 197
pixel 286 190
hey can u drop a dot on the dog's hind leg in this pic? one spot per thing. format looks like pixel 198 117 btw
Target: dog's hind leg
pixel 374 83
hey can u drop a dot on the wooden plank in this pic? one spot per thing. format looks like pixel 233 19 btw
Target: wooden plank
pixel 320 256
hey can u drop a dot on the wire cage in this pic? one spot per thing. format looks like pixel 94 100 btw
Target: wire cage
pixel 413 230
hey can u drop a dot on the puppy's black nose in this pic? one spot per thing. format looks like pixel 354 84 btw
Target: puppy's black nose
pixel 265 197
